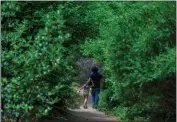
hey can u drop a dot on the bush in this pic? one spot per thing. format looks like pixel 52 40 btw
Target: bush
pixel 136 45
pixel 37 69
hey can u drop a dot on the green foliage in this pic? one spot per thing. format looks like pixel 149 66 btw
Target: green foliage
pixel 134 41
pixel 136 45
pixel 36 67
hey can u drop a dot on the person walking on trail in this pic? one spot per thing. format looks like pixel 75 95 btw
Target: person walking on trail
pixel 97 79
pixel 86 91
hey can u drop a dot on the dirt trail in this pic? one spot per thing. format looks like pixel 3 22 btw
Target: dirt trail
pixel 89 114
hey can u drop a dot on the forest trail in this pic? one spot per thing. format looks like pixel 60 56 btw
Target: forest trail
pixel 89 114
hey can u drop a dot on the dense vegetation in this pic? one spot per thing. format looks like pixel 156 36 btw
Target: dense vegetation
pixel 134 41
pixel 136 45
pixel 36 65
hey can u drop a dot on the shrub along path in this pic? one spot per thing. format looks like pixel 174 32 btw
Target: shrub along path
pixel 89 114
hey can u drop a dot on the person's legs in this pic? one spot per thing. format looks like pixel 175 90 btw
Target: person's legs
pixel 97 92
pixel 86 100
pixel 93 96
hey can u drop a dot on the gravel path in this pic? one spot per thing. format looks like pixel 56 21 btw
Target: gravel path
pixel 89 114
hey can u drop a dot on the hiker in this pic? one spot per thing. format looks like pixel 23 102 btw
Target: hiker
pixel 97 79
pixel 86 91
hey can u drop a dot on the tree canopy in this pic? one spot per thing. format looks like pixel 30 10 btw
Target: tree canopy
pixel 134 41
